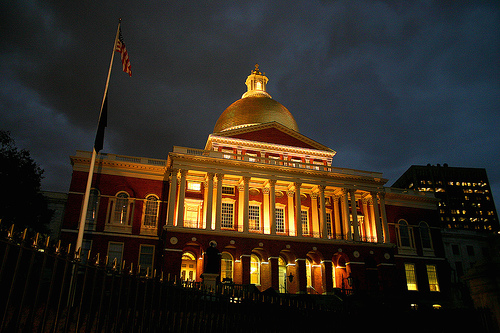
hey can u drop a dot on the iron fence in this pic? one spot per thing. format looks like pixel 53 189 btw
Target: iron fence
pixel 47 288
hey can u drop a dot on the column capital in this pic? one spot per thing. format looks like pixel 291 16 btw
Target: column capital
pixel 241 187
pixel 321 188
pixel 246 179
pixel 297 184
pixel 314 195
pixel 272 182
pixel 220 176
pixel 265 190
pixel 290 193
pixel 210 175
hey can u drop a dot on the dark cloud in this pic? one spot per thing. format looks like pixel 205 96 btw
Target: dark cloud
pixel 385 84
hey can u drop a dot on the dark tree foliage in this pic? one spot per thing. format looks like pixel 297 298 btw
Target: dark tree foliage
pixel 21 202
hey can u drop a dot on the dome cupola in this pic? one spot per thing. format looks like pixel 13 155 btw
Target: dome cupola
pixel 256 106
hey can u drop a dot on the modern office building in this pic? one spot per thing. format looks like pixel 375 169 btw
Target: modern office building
pixel 465 195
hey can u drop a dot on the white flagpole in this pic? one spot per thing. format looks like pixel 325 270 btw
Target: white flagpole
pixel 83 215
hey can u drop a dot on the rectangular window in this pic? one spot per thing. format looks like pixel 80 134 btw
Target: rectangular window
pixel 470 250
pixel 227 189
pixel 191 215
pixel 455 249
pixel 411 278
pixel 280 220
pixel 227 215
pixel 146 257
pixel 329 224
pixel 305 222
pixel 254 217
pixel 115 252
pixel 193 186
pixel 432 276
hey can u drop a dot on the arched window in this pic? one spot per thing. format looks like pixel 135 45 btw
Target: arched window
pixel 282 275
pixel 425 235
pixel 92 208
pixel 120 215
pixel 226 267
pixel 254 269
pixel 151 211
pixel 188 267
pixel 404 234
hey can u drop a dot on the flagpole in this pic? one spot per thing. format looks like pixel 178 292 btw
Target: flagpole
pixel 83 215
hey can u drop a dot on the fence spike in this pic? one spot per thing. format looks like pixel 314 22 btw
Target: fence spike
pixel 35 241
pixel 97 259
pixel 106 261
pixel 10 233
pixel 24 234
pixel 154 273
pixel 161 276
pixel 69 248
pixel 114 264
pixel 131 268
pixel 78 253
pixel 47 243
pixel 88 255
pixel 123 265
pixel 58 247
pixel 147 272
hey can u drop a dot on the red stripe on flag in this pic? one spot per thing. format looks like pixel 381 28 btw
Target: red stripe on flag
pixel 120 47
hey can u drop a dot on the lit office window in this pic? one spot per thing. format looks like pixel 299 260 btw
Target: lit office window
pixel 411 278
pixel 432 276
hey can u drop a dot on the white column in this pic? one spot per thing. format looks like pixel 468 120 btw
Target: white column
pixel 180 203
pixel 209 197
pixel 368 221
pixel 172 195
pixel 346 225
pixel 246 181
pixel 385 226
pixel 298 210
pixel 322 216
pixel 291 213
pixel 376 213
pixel 354 213
pixel 218 202
pixel 338 223
pixel 266 214
pixel 314 215
pixel 272 204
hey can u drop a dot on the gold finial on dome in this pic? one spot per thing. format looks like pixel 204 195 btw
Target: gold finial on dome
pixel 256 70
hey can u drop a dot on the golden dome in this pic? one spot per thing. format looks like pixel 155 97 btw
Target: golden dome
pixel 255 107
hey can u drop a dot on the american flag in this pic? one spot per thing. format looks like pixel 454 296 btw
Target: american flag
pixel 120 47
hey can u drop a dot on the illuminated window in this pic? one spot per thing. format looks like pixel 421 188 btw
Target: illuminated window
pixel 309 273
pixel 227 217
pixel 305 222
pixel 282 275
pixel 120 215
pixel 251 157
pixel 92 208
pixel 254 270
pixel 280 220
pixel 115 254
pixel 194 186
pixel 226 270
pixel 151 212
pixel 411 278
pixel 188 267
pixel 146 257
pixel 432 276
pixel 254 217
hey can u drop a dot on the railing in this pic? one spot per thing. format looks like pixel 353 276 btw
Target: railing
pixel 272 161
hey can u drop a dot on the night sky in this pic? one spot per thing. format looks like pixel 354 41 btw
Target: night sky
pixel 384 84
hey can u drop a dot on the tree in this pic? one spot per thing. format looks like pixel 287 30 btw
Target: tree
pixel 21 202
